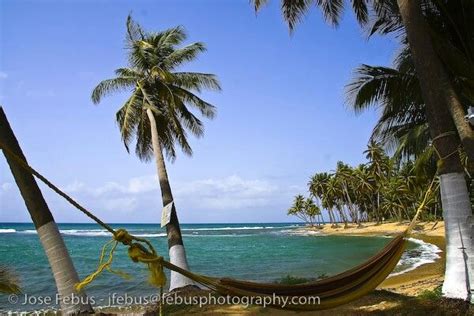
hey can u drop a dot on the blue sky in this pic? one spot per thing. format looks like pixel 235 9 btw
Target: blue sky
pixel 281 114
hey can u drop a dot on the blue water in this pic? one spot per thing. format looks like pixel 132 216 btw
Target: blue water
pixel 262 252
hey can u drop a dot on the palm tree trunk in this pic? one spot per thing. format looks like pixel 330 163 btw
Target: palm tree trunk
pixel 331 220
pixel 459 237
pixel 439 96
pixel 354 214
pixel 175 240
pixel 379 219
pixel 62 267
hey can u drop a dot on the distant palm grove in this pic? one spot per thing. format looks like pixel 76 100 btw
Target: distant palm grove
pixel 384 188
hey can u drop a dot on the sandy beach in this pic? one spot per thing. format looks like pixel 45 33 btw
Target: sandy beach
pixel 425 277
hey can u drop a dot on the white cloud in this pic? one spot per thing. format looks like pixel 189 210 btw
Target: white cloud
pixel 143 184
pixel 108 188
pixel 75 186
pixel 121 204
pixel 3 75
pixel 228 193
pixel 231 192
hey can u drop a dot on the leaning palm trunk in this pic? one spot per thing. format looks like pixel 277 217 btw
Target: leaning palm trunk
pixel 175 241
pixel 438 95
pixel 61 264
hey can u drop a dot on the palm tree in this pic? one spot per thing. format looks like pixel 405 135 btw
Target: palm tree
pixel 345 178
pixel 298 208
pixel 9 283
pixel 62 267
pixel 442 101
pixel 334 200
pixel 311 210
pixel 317 187
pixel 157 113
pixel 445 116
pixel 378 168
pixel 364 190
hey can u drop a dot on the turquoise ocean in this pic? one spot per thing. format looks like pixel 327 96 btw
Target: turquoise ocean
pixel 261 252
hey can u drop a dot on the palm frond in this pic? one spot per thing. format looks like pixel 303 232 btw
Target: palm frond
pixel 386 18
pixel 196 81
pixel 294 10
pixel 372 85
pixel 361 11
pixel 110 86
pixel 169 38
pixel 332 10
pixel 129 116
pixel 257 4
pixel 187 53
pixel 134 31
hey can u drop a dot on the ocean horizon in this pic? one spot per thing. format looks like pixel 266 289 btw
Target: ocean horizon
pixel 265 252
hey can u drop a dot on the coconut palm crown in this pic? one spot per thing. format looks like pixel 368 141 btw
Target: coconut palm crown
pixel 155 84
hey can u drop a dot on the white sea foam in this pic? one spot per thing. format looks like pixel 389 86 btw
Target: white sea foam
pixel 218 235
pixel 299 232
pixel 85 232
pixel 424 253
pixel 226 228
pixel 28 231
pixel 238 228
pixel 7 230
pixel 150 235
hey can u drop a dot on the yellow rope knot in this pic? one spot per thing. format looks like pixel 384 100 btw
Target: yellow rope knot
pixel 157 275
pixel 138 252
pixel 123 236
pixel 135 252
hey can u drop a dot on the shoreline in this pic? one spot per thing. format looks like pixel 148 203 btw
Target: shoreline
pixel 427 276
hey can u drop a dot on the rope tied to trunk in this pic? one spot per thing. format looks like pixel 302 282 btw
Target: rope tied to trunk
pixel 441 158
pixel 137 252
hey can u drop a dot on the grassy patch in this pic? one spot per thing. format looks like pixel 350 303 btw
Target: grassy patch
pixel 292 280
pixel 433 295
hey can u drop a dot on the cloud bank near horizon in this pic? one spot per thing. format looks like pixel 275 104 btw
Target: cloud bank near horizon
pixel 227 199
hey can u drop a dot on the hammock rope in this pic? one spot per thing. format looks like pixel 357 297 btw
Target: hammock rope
pixel 332 291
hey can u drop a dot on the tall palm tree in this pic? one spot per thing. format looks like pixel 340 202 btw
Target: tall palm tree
pixel 317 186
pixel 157 113
pixel 378 168
pixel 62 267
pixel 333 198
pixel 442 101
pixel 364 190
pixel 345 177
pixel 445 116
